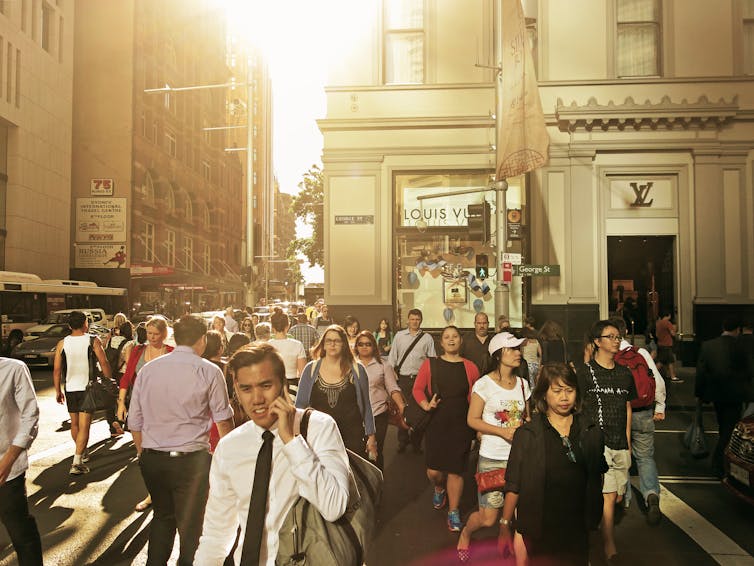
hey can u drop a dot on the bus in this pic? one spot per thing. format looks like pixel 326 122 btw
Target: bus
pixel 26 299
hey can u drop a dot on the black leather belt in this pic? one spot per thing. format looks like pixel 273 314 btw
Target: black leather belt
pixel 413 376
pixel 170 453
pixel 641 409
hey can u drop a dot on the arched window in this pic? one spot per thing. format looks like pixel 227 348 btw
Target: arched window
pixel 149 189
pixel 188 209
pixel 169 198
pixel 206 217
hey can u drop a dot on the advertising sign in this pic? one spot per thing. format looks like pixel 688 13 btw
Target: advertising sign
pixel 101 187
pixel 514 224
pixel 451 210
pixel 101 220
pixel 99 256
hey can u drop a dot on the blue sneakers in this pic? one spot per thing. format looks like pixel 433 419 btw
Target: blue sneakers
pixel 454 521
pixel 439 499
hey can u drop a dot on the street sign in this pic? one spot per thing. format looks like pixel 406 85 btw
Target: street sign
pixel 536 270
pixel 512 258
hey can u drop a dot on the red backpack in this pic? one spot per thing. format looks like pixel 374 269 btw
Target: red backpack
pixel 643 378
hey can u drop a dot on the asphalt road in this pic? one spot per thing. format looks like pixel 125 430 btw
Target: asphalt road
pixel 90 519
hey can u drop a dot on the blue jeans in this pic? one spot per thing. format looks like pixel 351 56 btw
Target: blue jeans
pixel 643 451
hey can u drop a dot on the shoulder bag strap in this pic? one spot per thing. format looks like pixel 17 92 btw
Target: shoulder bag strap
pixel 408 351
pixel 303 426
pixel 527 414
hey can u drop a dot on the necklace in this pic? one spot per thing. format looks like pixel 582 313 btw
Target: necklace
pixel 509 380
pixel 332 390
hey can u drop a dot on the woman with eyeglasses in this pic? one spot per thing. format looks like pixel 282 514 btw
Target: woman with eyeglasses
pixel 443 386
pixel 383 385
pixel 554 475
pixel 336 384
pixel 498 406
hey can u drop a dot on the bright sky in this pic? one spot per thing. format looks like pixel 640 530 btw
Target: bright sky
pixel 298 38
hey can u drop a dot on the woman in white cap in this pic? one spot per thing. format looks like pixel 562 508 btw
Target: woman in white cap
pixel 497 408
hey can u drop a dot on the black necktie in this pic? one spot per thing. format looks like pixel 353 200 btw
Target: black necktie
pixel 252 542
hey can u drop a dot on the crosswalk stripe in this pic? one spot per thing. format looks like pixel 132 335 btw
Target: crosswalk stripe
pixel 714 542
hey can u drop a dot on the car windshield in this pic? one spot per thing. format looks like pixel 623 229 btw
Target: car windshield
pixel 56 331
pixel 55 318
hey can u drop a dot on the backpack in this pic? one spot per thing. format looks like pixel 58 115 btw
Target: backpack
pixel 113 355
pixel 643 377
pixel 305 536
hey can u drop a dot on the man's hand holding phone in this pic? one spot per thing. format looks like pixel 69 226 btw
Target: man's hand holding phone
pixel 286 413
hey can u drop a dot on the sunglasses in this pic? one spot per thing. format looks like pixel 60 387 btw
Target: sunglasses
pixel 363 344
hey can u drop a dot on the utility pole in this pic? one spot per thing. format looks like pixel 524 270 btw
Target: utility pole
pixel 502 289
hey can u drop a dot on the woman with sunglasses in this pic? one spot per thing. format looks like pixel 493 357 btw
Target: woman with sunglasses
pixel 382 385
pixel 498 406
pixel 247 327
pixel 336 384
pixel 554 475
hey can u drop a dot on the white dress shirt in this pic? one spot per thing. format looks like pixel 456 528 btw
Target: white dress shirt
pixel 316 469
pixel 660 391
pixel 19 412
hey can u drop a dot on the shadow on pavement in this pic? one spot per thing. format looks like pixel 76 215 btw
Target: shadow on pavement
pixel 127 545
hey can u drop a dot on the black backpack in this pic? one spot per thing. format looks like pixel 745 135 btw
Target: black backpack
pixel 113 355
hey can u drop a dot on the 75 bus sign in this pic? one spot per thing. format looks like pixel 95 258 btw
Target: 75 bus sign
pixel 101 187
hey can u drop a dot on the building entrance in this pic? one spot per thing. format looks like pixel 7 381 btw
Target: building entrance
pixel 641 278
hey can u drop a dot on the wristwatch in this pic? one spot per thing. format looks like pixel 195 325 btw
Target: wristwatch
pixel 506 522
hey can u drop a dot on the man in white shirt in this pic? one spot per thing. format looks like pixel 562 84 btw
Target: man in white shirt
pixel 19 423
pixel 231 325
pixel 315 468
pixel 642 435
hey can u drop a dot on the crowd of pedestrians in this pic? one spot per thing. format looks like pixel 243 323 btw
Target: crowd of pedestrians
pixel 216 423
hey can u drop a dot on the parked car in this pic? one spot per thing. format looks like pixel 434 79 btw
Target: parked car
pixel 97 318
pixel 739 461
pixel 41 350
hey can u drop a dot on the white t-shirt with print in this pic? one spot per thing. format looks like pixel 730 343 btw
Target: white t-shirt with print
pixel 503 408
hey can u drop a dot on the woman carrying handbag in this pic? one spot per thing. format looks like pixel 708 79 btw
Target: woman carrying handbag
pixel 498 407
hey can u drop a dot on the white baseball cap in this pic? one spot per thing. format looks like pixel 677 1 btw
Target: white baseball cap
pixel 504 340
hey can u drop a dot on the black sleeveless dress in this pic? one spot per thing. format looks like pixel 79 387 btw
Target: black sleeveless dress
pixel 339 401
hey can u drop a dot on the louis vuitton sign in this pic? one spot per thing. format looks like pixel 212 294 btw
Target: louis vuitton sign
pixel 642 194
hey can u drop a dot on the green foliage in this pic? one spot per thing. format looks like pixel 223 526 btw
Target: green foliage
pixel 308 206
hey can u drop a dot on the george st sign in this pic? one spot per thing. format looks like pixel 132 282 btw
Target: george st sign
pixel 536 270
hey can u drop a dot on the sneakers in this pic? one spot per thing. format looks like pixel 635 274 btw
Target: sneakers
pixel 439 499
pixel 454 521
pixel 676 380
pixel 654 515
pixel 78 469
pixel 85 456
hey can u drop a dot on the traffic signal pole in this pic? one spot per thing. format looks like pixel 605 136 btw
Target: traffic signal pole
pixel 502 289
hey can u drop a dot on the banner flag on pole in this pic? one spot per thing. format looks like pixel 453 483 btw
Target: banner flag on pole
pixel 522 136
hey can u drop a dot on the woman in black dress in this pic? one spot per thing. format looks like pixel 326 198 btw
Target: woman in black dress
pixel 448 437
pixel 554 475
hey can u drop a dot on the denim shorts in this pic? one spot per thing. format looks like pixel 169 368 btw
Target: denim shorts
pixel 490 499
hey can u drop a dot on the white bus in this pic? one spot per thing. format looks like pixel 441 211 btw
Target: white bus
pixel 26 300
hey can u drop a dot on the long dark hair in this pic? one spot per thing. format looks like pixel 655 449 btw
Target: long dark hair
pixel 549 374
pixel 369 336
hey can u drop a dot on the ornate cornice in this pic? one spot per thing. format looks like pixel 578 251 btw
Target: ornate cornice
pixel 629 114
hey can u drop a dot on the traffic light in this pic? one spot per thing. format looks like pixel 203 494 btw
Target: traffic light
pixel 246 274
pixel 482 266
pixel 479 221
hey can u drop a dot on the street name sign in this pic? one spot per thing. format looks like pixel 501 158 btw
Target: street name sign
pixel 536 270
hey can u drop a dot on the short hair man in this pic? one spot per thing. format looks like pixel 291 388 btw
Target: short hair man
pixel 665 332
pixel 607 390
pixel 406 358
pixel 175 399
pixel 19 420
pixel 475 346
pixel 315 468
pixel 304 333
pixel 78 349
pixel 643 433
pixel 231 324
pixel 720 379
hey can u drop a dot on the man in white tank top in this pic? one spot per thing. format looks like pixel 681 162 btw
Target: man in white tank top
pixel 76 350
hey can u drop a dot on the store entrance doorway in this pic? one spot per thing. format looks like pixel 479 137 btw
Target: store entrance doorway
pixel 641 279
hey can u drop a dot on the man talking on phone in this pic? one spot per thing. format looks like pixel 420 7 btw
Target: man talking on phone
pixel 261 468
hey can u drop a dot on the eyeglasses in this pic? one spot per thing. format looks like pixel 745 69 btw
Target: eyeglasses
pixel 611 337
pixel 569 448
pixel 363 344
pixel 333 341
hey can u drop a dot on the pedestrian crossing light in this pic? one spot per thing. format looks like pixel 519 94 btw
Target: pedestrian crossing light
pixel 479 221
pixel 482 269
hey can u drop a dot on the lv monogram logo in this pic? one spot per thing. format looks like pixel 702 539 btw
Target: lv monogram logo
pixel 641 192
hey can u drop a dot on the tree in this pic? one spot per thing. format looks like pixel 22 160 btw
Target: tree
pixel 308 206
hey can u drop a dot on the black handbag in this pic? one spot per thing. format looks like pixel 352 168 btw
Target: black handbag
pixel 694 437
pixel 98 393
pixel 417 418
